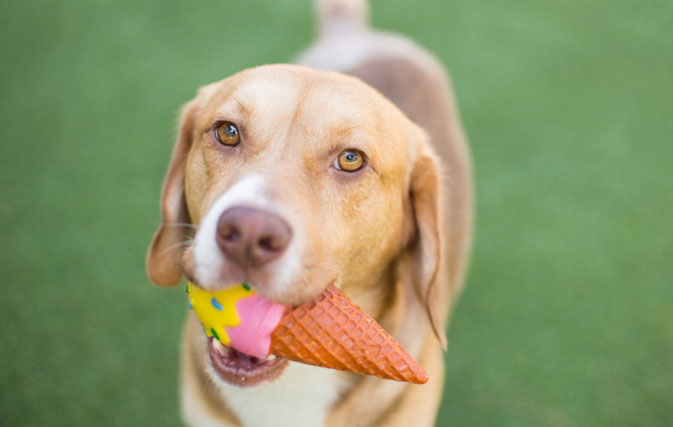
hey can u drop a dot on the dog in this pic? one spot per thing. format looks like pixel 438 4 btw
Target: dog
pixel 349 168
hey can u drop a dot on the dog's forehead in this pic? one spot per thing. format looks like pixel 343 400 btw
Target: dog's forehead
pixel 284 93
pixel 266 96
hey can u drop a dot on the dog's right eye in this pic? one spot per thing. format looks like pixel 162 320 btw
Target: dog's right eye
pixel 227 134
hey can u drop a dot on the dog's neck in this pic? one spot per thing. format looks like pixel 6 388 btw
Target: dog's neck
pixel 301 397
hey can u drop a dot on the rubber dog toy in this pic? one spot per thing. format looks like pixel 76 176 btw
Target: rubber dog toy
pixel 331 332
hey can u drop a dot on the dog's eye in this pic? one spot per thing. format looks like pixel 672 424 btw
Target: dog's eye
pixel 227 134
pixel 350 160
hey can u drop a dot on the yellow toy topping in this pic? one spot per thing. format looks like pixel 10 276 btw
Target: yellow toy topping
pixel 216 310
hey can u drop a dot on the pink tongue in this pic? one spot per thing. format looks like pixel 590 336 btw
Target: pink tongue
pixel 259 317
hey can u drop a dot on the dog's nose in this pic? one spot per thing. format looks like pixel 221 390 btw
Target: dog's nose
pixel 252 237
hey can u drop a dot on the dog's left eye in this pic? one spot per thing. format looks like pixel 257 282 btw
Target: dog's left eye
pixel 227 134
pixel 350 160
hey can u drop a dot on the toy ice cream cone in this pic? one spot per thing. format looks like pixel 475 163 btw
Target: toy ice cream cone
pixel 331 332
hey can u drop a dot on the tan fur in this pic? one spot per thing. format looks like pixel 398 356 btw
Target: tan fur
pixel 394 236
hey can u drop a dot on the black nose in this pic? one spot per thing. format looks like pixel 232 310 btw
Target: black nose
pixel 252 237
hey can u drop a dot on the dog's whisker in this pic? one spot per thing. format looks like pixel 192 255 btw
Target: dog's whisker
pixel 184 243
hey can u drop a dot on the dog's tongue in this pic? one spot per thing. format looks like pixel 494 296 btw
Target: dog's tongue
pixel 259 317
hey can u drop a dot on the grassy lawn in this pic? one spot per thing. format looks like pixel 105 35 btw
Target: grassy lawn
pixel 567 318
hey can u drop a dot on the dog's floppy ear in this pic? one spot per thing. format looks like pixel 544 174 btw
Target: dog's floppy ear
pixel 163 257
pixel 425 193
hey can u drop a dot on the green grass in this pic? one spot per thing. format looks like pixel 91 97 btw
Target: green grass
pixel 567 318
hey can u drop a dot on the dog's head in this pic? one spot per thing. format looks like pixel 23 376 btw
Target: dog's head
pixel 290 179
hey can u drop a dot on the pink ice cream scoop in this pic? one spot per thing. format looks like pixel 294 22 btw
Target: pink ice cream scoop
pixel 259 317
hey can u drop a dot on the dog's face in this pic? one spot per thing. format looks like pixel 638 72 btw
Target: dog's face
pixel 296 179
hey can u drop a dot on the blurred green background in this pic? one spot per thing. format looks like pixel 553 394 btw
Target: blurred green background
pixel 567 318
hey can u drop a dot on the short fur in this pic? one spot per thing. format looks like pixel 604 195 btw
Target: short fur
pixel 394 236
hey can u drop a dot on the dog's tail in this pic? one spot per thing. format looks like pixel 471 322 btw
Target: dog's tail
pixel 339 16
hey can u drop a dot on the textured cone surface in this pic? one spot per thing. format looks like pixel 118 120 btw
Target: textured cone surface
pixel 333 332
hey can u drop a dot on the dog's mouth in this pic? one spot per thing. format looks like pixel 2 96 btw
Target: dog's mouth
pixel 241 369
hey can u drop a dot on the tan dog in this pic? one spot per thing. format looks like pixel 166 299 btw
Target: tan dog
pixel 294 179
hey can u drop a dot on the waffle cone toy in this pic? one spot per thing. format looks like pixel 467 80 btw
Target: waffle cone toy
pixel 331 332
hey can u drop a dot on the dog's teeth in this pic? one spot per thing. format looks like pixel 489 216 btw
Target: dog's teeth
pixel 271 357
pixel 217 345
